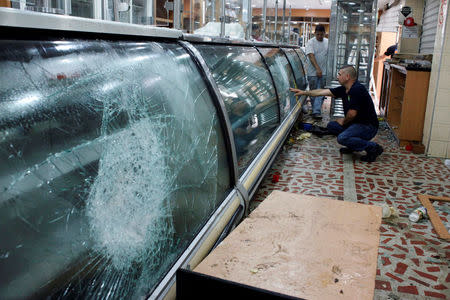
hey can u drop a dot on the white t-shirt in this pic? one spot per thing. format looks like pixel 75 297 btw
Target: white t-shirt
pixel 319 49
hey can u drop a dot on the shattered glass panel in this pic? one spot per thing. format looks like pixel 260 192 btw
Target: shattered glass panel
pixel 283 77
pixel 249 97
pixel 303 58
pixel 297 67
pixel 112 159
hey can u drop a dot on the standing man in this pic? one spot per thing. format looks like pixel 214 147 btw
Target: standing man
pixel 316 50
pixel 360 124
pixel 256 32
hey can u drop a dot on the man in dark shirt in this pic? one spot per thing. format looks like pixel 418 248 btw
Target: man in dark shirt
pixel 391 50
pixel 360 124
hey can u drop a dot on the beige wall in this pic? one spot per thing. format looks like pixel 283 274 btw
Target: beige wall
pixel 411 45
pixel 436 133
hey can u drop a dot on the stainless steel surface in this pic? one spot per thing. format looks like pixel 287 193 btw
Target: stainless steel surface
pixel 213 11
pixel 249 20
pixel 289 26
pixel 222 18
pixel 67 7
pixel 276 21
pixel 218 40
pixel 429 28
pixel 244 193
pixel 338 109
pixel 115 4
pixel 177 14
pixel 97 9
pixel 105 9
pixel 198 38
pixel 283 38
pixel 264 20
pixel 148 12
pixel 10 17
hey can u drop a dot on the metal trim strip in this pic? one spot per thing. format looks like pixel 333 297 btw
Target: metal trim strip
pixel 227 41
pixel 244 193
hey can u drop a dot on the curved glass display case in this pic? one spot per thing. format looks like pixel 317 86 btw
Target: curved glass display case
pixel 105 161
pixel 297 68
pixel 250 99
pixel 126 157
pixel 283 77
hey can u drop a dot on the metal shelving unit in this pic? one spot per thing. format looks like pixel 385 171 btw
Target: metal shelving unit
pixel 352 38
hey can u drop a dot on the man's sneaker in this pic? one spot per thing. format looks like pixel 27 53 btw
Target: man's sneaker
pixel 345 150
pixel 372 154
pixel 319 131
pixel 317 116
pixel 305 109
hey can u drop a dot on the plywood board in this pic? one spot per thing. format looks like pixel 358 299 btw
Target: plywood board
pixel 302 246
pixel 434 217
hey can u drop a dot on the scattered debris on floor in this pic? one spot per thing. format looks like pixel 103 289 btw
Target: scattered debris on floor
pixel 389 211
pixel 436 221
pixel 418 214
pixel 303 136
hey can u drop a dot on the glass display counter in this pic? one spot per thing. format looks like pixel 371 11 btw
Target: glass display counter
pixel 117 154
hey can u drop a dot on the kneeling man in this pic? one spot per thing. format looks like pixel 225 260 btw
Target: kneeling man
pixel 360 124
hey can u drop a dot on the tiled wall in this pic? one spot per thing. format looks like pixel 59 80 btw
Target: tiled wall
pixel 436 134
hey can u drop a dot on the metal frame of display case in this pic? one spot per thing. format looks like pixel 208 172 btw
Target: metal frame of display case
pixel 340 48
pixel 15 23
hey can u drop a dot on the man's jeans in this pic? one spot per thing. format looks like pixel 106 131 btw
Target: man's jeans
pixel 316 102
pixel 356 137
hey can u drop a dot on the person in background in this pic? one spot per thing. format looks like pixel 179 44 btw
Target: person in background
pixel 360 124
pixel 241 124
pixel 389 52
pixel 256 32
pixel 316 50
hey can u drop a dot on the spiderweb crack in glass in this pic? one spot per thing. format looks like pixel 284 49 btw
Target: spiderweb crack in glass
pixel 121 162
pixel 126 202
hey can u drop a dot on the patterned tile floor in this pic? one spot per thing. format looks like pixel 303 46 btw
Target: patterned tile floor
pixel 413 263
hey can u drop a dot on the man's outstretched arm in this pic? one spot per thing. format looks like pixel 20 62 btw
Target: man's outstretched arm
pixel 312 93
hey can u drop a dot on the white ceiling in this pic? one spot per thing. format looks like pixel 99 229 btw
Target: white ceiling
pixel 305 4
